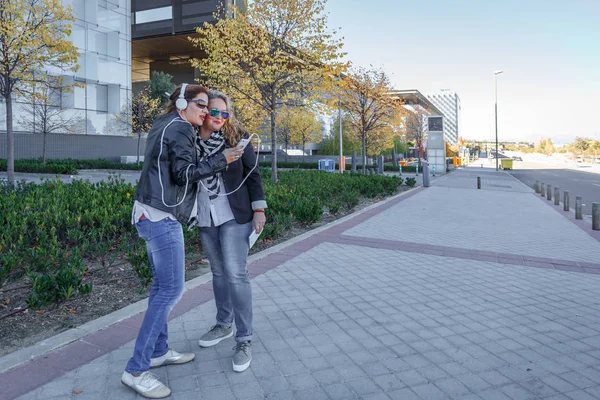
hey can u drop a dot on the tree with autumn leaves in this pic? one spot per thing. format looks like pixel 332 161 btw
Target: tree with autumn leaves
pixel 364 95
pixel 33 38
pixel 298 126
pixel 275 53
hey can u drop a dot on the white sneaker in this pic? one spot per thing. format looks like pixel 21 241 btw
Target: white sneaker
pixel 171 357
pixel 147 384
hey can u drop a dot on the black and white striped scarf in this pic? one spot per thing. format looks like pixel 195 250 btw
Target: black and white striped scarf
pixel 213 145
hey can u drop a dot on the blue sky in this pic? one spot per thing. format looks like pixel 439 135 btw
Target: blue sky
pixel 549 51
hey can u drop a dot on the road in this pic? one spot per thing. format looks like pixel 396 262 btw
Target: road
pixel 578 183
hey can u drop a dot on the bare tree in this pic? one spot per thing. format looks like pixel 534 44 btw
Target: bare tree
pixel 44 113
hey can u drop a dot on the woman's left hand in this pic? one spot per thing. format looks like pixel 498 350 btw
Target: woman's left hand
pixel 258 222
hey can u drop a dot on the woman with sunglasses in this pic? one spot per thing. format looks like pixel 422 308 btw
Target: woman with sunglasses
pixel 165 199
pixel 231 204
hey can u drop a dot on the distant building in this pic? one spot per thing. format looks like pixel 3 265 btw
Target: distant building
pixel 102 34
pixel 449 103
pixel 160 31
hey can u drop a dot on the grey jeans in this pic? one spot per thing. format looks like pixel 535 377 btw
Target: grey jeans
pixel 226 246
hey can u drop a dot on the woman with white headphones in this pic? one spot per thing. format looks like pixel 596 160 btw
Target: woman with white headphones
pixel 165 199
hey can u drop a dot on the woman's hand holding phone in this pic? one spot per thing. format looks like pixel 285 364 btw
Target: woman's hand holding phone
pixel 233 154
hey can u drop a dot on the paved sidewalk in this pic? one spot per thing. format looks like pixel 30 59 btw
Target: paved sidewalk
pixel 446 292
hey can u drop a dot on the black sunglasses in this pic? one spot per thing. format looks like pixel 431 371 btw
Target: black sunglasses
pixel 214 112
pixel 201 104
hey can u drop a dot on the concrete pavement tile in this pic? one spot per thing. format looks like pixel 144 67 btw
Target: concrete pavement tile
pixel 454 369
pixel 316 364
pixel 249 390
pixel 274 385
pixel 315 393
pixel 452 387
pixel 339 391
pixel 302 381
pixel 493 394
pixel 184 384
pixel 403 394
pixel 473 382
pixel 219 392
pixel 432 372
pixel 363 386
pixel 212 380
pixel 411 378
pixel 516 391
pixel 558 384
pixel 538 387
pixel 350 372
pixel 388 382
pixel 580 395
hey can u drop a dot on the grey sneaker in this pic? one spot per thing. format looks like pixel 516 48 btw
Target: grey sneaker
pixel 147 384
pixel 242 356
pixel 215 335
pixel 171 357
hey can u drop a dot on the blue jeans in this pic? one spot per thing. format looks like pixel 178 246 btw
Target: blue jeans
pixel 226 246
pixel 164 242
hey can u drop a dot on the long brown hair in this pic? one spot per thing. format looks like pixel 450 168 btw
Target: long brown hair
pixel 232 129
pixel 191 91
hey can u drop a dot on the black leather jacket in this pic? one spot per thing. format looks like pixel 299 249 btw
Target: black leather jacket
pixel 173 139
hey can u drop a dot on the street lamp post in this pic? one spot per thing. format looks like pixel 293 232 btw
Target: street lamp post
pixel 496 73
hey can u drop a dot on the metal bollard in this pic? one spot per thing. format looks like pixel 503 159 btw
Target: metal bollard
pixel 578 207
pixel 537 186
pixel 478 182
pixel 549 192
pixel 596 216
pixel 543 191
pixel 425 174
pixel 566 201
pixel 556 196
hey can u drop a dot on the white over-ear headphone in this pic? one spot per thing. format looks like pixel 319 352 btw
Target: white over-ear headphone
pixel 181 102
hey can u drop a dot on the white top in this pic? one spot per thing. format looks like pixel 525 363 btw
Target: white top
pixel 219 208
pixel 153 214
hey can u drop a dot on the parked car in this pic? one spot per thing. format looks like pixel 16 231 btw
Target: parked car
pixel 579 159
pixel 597 160
pixel 517 158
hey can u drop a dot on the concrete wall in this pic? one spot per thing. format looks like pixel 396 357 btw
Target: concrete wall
pixel 60 146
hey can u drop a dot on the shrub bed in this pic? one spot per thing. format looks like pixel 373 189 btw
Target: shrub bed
pixel 50 233
pixel 65 166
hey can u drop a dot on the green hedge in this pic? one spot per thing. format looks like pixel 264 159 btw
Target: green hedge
pixel 71 166
pixel 65 166
pixel 50 231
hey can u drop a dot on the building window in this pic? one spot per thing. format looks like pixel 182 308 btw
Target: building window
pixel 156 14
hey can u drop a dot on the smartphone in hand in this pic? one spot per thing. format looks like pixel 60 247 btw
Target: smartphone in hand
pixel 243 143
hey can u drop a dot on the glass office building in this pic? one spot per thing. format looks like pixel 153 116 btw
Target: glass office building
pixel 449 104
pixel 102 34
pixel 160 31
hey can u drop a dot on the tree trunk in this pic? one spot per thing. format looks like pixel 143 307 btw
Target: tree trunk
pixel 303 151
pixel 364 152
pixel 44 149
pixel 138 146
pixel 286 149
pixel 273 146
pixel 10 146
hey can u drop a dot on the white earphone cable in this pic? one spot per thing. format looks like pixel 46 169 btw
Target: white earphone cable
pixel 247 175
pixel 187 180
